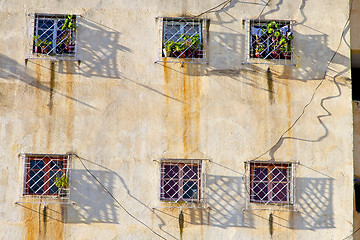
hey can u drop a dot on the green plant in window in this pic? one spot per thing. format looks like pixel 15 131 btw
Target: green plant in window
pixel 273 28
pixel 69 23
pixel 37 41
pixel 169 48
pixel 62 181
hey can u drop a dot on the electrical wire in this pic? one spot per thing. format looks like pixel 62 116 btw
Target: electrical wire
pixel 112 196
pixel 211 10
pixel 263 9
pixel 316 88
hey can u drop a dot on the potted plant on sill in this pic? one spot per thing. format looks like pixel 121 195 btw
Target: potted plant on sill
pixel 168 48
pixel 196 46
pixel 180 48
pixel 68 27
pixel 259 49
pixel 37 44
pixel 286 50
pixel 62 182
pixel 45 46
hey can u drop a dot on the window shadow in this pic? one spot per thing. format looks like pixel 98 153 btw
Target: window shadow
pixel 98 47
pixel 14 71
pixel 92 203
pixel 315 204
pixel 226 200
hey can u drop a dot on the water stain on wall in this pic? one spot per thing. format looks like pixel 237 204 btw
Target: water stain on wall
pixel 182 120
pixel 70 66
pixel 43 221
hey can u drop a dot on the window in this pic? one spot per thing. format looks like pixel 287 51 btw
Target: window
pixel 271 40
pixel 46 175
pixel 181 180
pixel 54 35
pixel 271 183
pixel 183 38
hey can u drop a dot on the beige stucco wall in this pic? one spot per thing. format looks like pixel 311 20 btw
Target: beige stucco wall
pixel 119 110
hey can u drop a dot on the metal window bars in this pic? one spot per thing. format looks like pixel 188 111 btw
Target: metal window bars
pixel 53 36
pixel 270 184
pixel 46 178
pixel 269 42
pixel 182 39
pixel 183 182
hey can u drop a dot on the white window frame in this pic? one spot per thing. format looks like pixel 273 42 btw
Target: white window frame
pixel 41 174
pixel 269 49
pixel 262 190
pixel 194 52
pixel 63 46
pixel 180 180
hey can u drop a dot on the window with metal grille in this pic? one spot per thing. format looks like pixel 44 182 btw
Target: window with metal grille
pixel 54 35
pixel 183 38
pixel 271 40
pixel 271 183
pixel 181 180
pixel 46 175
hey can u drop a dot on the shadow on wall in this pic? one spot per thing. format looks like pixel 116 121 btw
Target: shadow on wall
pixel 314 204
pixel 92 203
pixel 227 201
pixel 98 48
pixel 11 70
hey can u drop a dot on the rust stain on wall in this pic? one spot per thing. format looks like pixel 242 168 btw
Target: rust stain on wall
pixel 69 103
pixel 288 106
pixel 52 85
pixel 269 78
pixel 50 105
pixel 43 222
pixel 182 120
pixel 37 93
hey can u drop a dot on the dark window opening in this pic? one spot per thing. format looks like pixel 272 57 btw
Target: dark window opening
pixel 355 79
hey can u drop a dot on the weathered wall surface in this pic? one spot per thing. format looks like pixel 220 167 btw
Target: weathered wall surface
pixel 118 110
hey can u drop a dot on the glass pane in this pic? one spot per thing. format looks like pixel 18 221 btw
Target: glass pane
pixel 279 193
pixel 37 164
pixel 260 174
pixel 53 189
pixel 192 28
pixel 36 182
pixel 190 172
pixel 171 189
pixel 56 164
pixel 190 190
pixel 279 174
pixel 171 171
pixel 171 32
pixel 259 192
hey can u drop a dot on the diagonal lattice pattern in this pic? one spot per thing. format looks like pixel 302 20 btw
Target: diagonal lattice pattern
pixel 270 40
pixel 46 175
pixel 183 38
pixel 181 180
pixel 54 36
pixel 271 183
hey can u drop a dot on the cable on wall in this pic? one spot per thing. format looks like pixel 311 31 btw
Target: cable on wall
pixel 112 196
pixel 316 88
pixel 212 10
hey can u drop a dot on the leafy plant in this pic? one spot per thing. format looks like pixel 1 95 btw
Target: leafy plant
pixel 69 23
pixel 169 45
pixel 179 46
pixel 37 41
pixel 62 181
pixel 259 48
pixel 273 28
pixel 286 48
